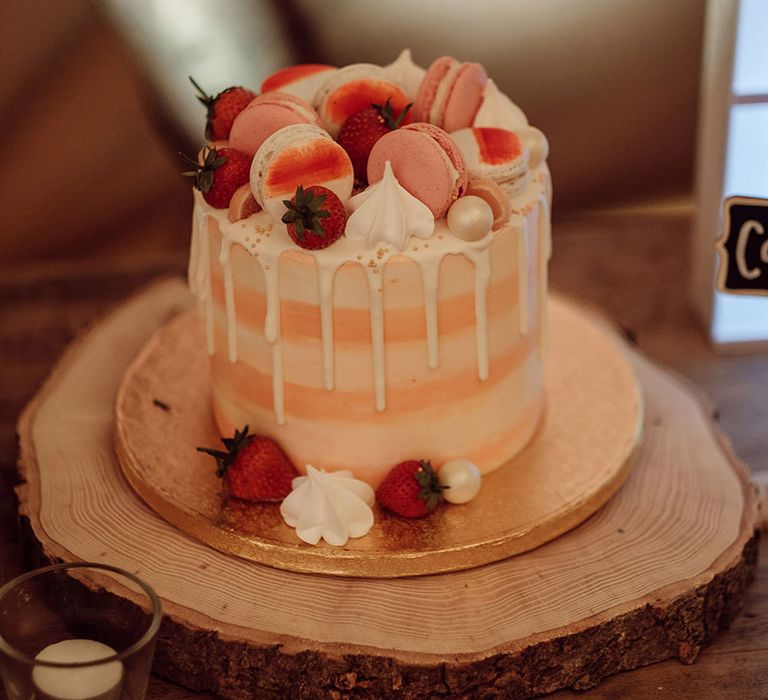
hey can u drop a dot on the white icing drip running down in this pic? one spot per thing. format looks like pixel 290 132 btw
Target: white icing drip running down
pixel 267 240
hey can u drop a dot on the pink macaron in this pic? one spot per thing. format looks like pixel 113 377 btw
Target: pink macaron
pixel 302 81
pixel 355 88
pixel 264 115
pixel 450 94
pixel 425 161
pixel 299 154
pixel 497 154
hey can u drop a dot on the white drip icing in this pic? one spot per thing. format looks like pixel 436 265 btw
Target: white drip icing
pixel 376 302
pixel 229 298
pixel 194 255
pixel 252 234
pixel 522 277
pixel 325 276
pixel 203 278
pixel 278 385
pixel 430 272
pixel 482 261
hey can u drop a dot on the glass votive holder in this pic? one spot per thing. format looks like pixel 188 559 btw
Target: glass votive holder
pixel 63 636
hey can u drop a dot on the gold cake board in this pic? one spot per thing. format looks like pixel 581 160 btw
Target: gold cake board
pixel 654 574
pixel 580 455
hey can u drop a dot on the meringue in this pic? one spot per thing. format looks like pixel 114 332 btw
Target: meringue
pixel 387 213
pixel 497 110
pixel 332 506
pixel 406 73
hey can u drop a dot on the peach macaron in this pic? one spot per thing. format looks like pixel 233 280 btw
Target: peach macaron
pixel 299 154
pixel 425 161
pixel 450 94
pixel 264 115
pixel 302 81
pixel 496 154
pixel 355 88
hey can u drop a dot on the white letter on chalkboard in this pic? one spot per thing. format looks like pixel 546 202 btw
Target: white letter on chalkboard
pixel 741 246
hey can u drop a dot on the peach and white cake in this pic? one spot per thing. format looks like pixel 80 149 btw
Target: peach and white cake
pixel 408 336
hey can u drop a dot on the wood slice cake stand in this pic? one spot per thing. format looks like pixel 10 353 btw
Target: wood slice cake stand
pixel 654 574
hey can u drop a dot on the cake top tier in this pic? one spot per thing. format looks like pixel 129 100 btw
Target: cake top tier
pixel 372 153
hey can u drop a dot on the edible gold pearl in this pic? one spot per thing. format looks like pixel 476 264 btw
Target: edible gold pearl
pixel 462 479
pixel 470 218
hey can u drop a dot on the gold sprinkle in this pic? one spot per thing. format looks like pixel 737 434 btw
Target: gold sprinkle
pixel 266 267
pixel 253 245
pixel 379 253
pixel 269 227
pixel 371 263
pixel 247 238
pixel 258 240
pixel 359 257
pixel 415 247
pixel 376 270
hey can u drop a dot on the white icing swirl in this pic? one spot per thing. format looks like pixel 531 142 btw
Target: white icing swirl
pixel 406 73
pixel 387 213
pixel 332 506
pixel 497 110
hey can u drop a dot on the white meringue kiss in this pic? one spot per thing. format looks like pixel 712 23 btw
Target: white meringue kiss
pixel 406 73
pixel 332 506
pixel 387 213
pixel 497 110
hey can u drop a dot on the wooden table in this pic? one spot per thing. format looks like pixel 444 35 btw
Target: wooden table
pixel 631 264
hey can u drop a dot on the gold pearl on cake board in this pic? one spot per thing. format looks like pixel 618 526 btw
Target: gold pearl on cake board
pixel 470 218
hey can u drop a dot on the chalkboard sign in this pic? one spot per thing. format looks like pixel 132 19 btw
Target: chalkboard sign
pixel 743 246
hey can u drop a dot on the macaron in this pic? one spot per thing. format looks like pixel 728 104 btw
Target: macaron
pixel 538 146
pixel 299 154
pixel 352 89
pixel 450 94
pixel 496 197
pixel 425 161
pixel 242 204
pixel 497 154
pixel 302 80
pixel 264 115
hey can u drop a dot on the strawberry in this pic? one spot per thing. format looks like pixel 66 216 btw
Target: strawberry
pixel 220 175
pixel 253 467
pixel 363 129
pixel 315 217
pixel 222 109
pixel 411 489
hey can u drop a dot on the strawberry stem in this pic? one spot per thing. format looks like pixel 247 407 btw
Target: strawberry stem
pixel 388 115
pixel 431 491
pixel 209 103
pixel 224 460
pixel 203 174
pixel 305 211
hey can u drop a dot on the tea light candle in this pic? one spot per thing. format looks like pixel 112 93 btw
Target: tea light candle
pixel 100 682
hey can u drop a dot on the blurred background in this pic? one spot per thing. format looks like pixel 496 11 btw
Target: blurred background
pixel 95 101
